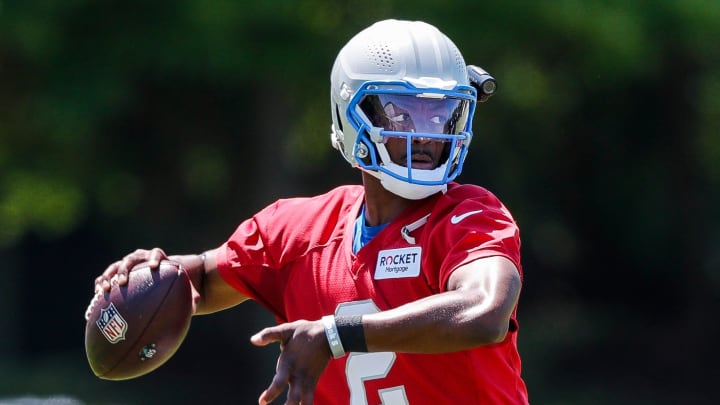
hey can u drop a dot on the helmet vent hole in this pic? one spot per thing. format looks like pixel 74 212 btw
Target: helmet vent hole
pixel 459 60
pixel 381 56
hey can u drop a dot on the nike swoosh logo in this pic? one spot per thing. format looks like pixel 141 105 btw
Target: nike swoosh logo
pixel 455 219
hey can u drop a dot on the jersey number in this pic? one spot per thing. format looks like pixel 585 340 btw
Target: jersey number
pixel 361 367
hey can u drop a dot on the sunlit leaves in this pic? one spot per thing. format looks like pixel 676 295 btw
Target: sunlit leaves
pixel 42 203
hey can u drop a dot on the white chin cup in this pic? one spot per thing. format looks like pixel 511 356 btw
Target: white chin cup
pixel 409 190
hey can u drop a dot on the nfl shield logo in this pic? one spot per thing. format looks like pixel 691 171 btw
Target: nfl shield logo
pixel 111 324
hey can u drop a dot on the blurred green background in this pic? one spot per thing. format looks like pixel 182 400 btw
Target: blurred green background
pixel 127 124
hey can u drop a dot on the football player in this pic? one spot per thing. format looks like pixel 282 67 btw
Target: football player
pixel 402 290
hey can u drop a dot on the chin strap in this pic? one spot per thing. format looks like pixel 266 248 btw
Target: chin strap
pixel 405 231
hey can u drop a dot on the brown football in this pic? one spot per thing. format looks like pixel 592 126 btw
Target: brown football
pixel 134 329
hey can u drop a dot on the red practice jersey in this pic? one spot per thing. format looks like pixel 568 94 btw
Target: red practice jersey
pixel 295 258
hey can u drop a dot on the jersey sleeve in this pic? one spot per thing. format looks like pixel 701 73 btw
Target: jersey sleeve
pixel 264 255
pixel 247 262
pixel 478 226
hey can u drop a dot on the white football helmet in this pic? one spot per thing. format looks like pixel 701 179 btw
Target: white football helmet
pixel 383 83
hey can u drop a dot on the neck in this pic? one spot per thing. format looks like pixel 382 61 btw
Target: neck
pixel 381 206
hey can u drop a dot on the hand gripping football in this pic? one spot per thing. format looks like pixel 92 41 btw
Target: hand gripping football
pixel 134 329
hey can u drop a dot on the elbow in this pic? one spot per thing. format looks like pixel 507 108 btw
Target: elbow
pixel 498 333
pixel 489 332
pixel 486 326
pixel 494 333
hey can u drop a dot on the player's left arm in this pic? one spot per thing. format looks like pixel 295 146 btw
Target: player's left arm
pixel 475 310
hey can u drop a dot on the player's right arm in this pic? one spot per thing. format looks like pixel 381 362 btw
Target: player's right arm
pixel 210 291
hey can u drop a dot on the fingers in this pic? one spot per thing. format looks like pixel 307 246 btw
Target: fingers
pixel 277 386
pixel 152 257
pixel 91 306
pixel 303 357
pixel 117 272
pixel 301 392
pixel 155 256
pixel 266 336
pixel 103 281
pixel 302 385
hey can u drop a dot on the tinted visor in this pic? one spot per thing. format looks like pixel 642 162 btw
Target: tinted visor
pixel 416 114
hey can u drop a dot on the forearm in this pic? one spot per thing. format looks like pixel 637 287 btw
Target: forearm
pixel 475 311
pixel 445 322
pixel 194 265
pixel 214 294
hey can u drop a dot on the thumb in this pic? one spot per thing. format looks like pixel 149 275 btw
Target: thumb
pixel 195 298
pixel 265 337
